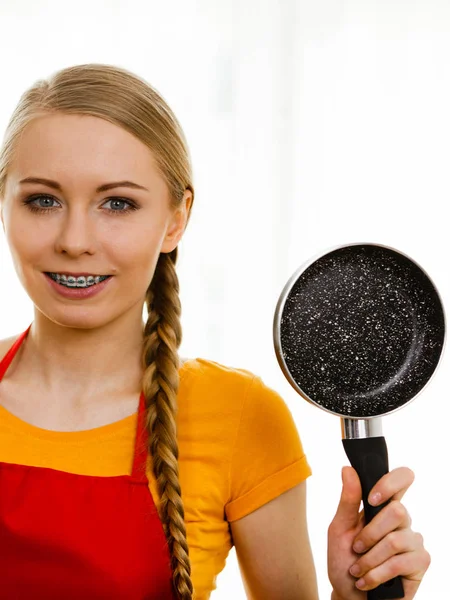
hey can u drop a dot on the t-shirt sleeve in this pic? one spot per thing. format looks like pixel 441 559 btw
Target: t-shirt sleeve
pixel 268 457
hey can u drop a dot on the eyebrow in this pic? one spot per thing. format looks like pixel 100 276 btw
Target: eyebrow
pixel 102 188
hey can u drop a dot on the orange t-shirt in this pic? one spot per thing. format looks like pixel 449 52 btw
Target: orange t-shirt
pixel 238 449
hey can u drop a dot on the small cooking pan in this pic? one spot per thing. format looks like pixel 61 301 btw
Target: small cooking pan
pixel 359 331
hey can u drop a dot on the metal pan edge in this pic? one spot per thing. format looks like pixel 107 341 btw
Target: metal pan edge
pixel 279 311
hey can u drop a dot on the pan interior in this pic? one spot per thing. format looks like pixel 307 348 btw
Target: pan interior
pixel 362 331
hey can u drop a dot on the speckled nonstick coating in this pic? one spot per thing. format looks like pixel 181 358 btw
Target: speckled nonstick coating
pixel 361 330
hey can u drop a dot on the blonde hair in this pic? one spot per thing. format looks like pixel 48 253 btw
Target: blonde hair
pixel 122 98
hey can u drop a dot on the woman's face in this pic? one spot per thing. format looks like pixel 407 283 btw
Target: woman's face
pixel 72 227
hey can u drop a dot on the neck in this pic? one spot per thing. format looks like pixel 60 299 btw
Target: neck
pixel 83 363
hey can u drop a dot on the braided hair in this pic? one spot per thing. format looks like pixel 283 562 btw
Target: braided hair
pixel 162 337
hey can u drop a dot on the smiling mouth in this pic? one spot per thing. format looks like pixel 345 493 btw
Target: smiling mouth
pixel 77 282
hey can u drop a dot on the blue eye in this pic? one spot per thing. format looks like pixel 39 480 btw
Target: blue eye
pixel 119 203
pixel 30 202
pixel 42 203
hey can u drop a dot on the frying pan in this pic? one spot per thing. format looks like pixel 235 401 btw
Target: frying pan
pixel 359 331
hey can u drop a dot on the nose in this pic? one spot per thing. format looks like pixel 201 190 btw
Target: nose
pixel 76 235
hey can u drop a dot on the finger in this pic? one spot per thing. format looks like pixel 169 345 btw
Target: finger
pixel 393 485
pixel 391 517
pixel 396 542
pixel 347 513
pixel 410 565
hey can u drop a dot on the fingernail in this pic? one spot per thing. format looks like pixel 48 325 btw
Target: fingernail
pixel 360 584
pixel 359 546
pixel 355 570
pixel 375 499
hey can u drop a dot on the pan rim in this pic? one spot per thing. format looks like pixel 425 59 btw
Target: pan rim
pixel 279 311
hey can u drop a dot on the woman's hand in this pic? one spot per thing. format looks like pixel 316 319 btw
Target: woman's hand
pixel 388 545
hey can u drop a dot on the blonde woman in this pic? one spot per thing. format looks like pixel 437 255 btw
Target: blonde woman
pixel 124 473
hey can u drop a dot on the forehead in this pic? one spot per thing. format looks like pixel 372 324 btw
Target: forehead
pixel 77 148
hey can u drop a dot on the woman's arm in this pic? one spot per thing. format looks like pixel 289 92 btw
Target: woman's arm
pixel 273 549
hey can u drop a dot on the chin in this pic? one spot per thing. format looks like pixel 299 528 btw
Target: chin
pixel 77 317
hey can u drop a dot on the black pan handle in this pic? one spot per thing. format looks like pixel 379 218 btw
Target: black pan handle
pixel 369 457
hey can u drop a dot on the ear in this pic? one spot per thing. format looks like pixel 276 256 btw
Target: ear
pixel 177 223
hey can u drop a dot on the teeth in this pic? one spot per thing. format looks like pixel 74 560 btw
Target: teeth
pixel 80 282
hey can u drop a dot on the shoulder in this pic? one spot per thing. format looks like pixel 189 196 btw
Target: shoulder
pixel 212 392
pixel 204 371
pixel 229 389
pixel 241 398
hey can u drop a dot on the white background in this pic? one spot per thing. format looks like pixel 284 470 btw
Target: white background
pixel 311 123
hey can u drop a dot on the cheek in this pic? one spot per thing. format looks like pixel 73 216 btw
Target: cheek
pixel 24 239
pixel 23 246
pixel 138 252
pixel 28 247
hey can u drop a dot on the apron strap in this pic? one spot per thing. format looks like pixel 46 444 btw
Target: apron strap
pixel 140 449
pixel 7 359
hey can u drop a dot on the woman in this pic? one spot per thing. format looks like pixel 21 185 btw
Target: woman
pixel 125 473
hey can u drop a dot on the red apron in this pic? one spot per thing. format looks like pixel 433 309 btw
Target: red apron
pixel 80 537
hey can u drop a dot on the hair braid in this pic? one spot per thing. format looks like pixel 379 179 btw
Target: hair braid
pixel 162 338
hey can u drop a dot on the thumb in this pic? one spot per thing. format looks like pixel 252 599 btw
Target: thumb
pixel 347 514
